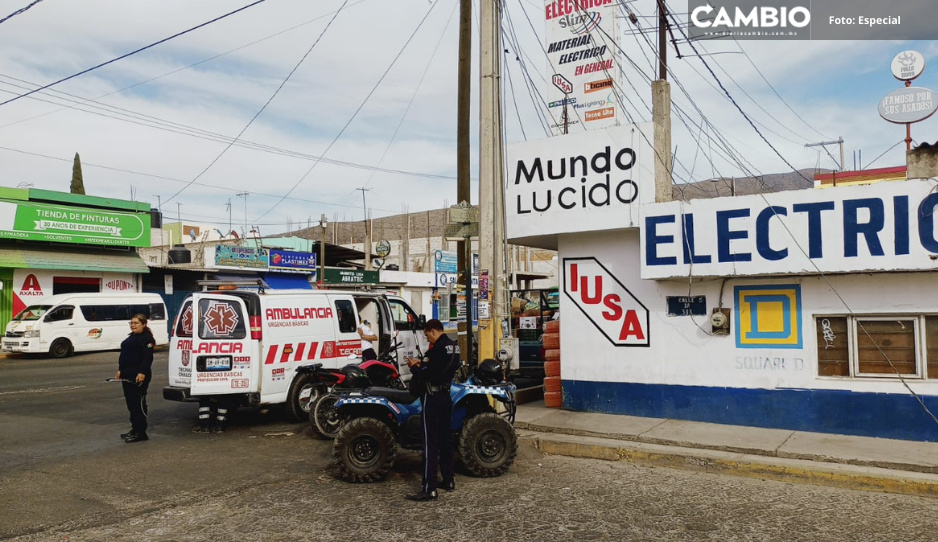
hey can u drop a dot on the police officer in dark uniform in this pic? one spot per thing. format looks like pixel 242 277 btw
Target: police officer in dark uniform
pixel 435 372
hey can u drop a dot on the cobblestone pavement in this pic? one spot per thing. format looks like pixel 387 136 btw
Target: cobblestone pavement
pixel 541 498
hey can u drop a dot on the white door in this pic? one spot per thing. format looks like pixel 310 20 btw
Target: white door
pixel 180 348
pixel 224 357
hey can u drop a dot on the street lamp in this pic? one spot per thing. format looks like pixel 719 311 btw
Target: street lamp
pixel 322 249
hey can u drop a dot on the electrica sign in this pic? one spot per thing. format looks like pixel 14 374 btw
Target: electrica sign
pixel 877 227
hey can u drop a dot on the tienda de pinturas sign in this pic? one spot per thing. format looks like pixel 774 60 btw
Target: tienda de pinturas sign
pixel 62 224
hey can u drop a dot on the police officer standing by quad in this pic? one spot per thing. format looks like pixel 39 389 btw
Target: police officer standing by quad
pixel 431 380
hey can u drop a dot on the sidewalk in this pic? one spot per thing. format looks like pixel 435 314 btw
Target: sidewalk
pixel 873 464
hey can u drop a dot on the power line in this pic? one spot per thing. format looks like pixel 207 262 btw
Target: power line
pixel 261 110
pixel 21 10
pixel 355 114
pixel 154 44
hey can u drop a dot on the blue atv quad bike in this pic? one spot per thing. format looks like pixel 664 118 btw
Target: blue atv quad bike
pixel 377 421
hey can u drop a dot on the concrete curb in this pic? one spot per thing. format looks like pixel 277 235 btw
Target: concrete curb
pixel 864 478
pixel 747 450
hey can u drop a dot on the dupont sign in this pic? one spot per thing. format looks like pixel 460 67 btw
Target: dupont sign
pixel 561 82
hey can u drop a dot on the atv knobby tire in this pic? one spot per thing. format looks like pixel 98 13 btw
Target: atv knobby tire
pixel 364 450
pixel 324 418
pixel 487 445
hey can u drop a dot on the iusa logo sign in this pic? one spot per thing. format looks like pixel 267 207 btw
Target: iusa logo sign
pixel 606 302
pixel 750 19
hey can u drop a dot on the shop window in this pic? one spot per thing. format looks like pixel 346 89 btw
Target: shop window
pixel 931 346
pixel 75 285
pixel 874 346
pixel 886 347
pixel 443 307
pixel 833 346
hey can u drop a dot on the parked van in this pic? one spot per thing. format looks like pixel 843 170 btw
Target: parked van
pixel 66 323
pixel 247 345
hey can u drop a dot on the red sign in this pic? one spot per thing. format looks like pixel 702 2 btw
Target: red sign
pixel 606 302
pixel 561 82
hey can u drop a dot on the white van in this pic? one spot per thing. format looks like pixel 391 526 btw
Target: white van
pixel 247 345
pixel 66 323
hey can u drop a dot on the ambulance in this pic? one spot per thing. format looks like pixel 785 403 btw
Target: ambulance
pixel 246 345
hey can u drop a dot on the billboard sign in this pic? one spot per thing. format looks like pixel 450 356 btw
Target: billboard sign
pixel 76 225
pixel 287 259
pixel 581 54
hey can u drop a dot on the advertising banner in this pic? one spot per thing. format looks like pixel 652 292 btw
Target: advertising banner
pixel 350 276
pixel 590 181
pixel 77 225
pixel 240 257
pixel 287 259
pixel 887 226
pixel 582 54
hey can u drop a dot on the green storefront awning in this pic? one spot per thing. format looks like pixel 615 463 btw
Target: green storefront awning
pixel 75 260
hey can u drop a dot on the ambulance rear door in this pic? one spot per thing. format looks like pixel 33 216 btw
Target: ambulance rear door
pixel 180 347
pixel 224 357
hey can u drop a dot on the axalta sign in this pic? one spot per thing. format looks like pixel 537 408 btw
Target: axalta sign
pixel 606 302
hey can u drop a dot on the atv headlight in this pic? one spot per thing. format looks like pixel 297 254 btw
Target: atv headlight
pixel 31 333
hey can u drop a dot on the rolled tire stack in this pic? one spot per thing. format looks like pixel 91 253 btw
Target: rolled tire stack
pixel 553 392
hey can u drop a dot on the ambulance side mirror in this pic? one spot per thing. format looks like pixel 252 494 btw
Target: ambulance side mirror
pixel 421 322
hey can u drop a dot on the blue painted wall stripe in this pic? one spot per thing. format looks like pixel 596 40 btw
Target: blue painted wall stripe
pixel 897 416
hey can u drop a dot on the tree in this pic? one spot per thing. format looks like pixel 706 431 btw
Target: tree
pixel 78 185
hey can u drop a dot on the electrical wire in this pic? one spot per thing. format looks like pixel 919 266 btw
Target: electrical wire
pixel 261 110
pixel 355 114
pixel 125 55
pixel 17 12
pixel 166 74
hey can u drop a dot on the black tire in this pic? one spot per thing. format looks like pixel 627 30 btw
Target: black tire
pixel 324 418
pixel 298 407
pixel 61 348
pixel 487 445
pixel 364 450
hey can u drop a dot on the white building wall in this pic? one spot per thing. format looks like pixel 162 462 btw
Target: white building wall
pixel 682 351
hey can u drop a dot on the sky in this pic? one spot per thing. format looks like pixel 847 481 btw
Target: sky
pixel 370 107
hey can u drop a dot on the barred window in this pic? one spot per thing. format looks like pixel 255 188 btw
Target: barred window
pixel 877 346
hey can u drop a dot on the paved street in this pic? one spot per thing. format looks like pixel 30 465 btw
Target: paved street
pixel 66 475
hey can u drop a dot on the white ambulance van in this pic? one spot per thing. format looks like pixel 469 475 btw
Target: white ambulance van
pixel 66 323
pixel 247 345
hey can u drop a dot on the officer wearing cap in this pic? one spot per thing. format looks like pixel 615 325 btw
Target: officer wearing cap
pixel 436 372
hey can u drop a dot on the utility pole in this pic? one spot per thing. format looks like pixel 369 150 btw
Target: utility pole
pixel 661 112
pixel 245 196
pixel 367 243
pixel 824 144
pixel 492 244
pixel 464 73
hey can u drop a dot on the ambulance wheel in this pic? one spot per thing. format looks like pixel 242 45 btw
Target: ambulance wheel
pixel 364 450
pixel 487 445
pixel 61 348
pixel 303 393
pixel 325 418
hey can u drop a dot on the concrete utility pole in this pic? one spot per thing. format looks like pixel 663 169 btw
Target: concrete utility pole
pixel 661 112
pixel 824 144
pixel 491 182
pixel 367 243
pixel 464 73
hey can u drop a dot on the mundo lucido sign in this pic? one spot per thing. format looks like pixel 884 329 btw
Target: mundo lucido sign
pixel 589 181
pixel 59 223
